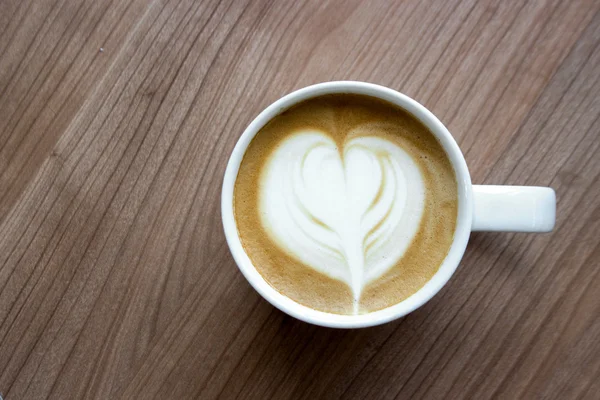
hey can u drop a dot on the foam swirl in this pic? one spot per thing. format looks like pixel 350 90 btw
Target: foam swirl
pixel 348 213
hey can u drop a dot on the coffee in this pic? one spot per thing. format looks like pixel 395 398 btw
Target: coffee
pixel 346 203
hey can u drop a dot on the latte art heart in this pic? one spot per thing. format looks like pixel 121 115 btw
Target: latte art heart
pixel 346 204
pixel 348 213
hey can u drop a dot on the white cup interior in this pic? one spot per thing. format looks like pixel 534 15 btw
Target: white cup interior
pixel 461 235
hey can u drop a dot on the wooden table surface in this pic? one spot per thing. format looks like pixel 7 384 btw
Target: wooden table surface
pixel 116 122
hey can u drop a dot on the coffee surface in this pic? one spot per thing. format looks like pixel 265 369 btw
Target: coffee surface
pixel 346 203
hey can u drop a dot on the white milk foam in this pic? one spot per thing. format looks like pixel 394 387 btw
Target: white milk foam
pixel 348 214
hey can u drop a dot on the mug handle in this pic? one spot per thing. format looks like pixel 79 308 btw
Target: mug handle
pixel 513 208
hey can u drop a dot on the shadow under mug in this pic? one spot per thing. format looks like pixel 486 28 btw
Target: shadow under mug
pixel 480 208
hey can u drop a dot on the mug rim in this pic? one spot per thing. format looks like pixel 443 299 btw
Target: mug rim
pixel 414 301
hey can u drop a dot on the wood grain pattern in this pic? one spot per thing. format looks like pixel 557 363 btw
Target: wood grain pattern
pixel 116 122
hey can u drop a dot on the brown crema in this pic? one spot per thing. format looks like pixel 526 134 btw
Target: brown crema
pixel 337 115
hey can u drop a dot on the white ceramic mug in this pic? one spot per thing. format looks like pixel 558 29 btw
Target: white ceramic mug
pixel 480 208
